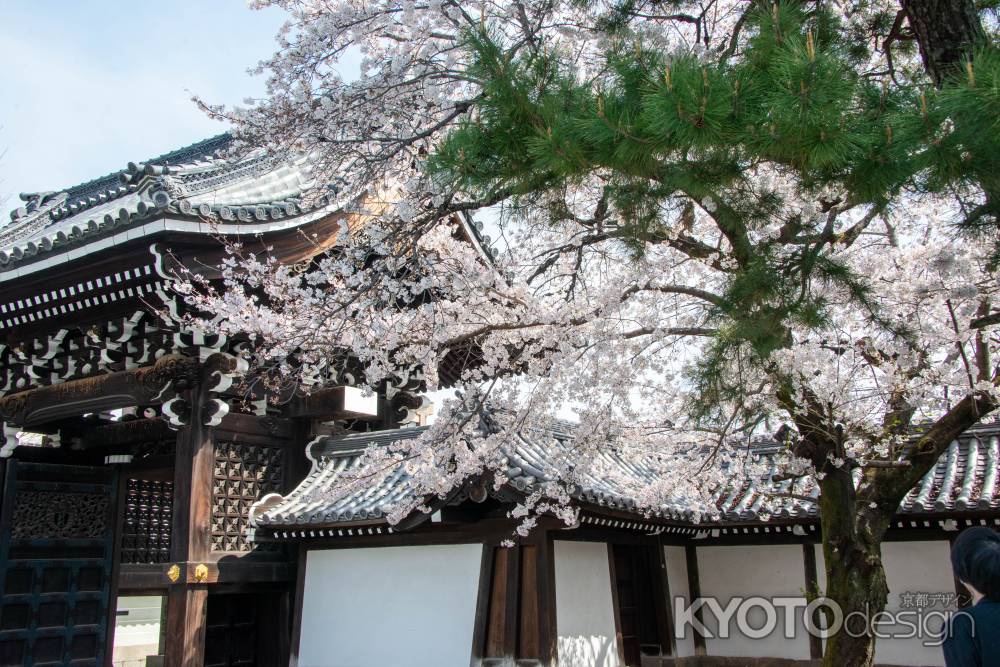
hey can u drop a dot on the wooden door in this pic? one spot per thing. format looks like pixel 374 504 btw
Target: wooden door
pixel 515 612
pixel 57 549
pixel 247 629
pixel 640 605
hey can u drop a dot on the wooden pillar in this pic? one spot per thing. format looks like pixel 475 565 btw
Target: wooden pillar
pixel 297 467
pixel 616 604
pixel 297 464
pixel 300 588
pixel 694 589
pixel 479 628
pixel 187 605
pixel 187 600
pixel 121 483
pixel 668 630
pixel 547 599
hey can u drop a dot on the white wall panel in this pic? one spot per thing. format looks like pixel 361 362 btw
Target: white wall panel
pixel 677 581
pixel 413 606
pixel 748 571
pixel 914 567
pixel 585 617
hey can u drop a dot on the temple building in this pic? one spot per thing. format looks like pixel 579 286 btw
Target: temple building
pixel 130 459
pixel 156 511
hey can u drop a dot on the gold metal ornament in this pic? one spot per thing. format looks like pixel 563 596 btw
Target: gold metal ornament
pixel 201 573
pixel 174 573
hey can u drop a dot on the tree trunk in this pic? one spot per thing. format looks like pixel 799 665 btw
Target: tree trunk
pixel 857 583
pixel 946 31
pixel 855 578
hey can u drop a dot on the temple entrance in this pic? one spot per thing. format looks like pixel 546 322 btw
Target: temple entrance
pixel 57 527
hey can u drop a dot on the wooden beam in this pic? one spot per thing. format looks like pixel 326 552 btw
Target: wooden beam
pixel 124 433
pixel 255 429
pixel 329 404
pixel 143 576
pixel 142 386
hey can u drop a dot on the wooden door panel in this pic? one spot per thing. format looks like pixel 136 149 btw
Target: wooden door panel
pixel 56 556
pixel 638 582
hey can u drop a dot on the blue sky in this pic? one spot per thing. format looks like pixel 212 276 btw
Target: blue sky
pixel 86 86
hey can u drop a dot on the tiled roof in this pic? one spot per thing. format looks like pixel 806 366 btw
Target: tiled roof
pixel 198 181
pixel 309 503
pixel 529 457
pixel 202 150
pixel 964 480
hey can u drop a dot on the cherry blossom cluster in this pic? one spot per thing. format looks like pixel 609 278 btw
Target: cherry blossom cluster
pixel 549 319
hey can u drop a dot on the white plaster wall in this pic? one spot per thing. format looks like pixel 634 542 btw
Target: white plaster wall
pixel 820 567
pixel 914 567
pixel 677 582
pixel 585 618
pixel 748 571
pixel 413 606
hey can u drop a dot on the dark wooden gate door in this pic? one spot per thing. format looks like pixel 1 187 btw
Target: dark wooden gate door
pixel 56 556
pixel 247 629
pixel 639 596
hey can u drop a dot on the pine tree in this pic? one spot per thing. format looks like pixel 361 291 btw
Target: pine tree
pixel 672 131
pixel 781 171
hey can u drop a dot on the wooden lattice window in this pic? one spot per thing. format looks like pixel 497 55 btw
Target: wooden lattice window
pixel 146 529
pixel 243 474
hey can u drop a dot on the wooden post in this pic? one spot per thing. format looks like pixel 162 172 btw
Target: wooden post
pixel 694 589
pixel 668 630
pixel 616 605
pixel 296 469
pixel 186 619
pixel 187 601
pixel 300 591
pixel 481 622
pixel 548 633
pixel 120 484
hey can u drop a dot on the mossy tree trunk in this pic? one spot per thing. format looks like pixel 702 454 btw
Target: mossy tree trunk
pixel 855 577
pixel 854 518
